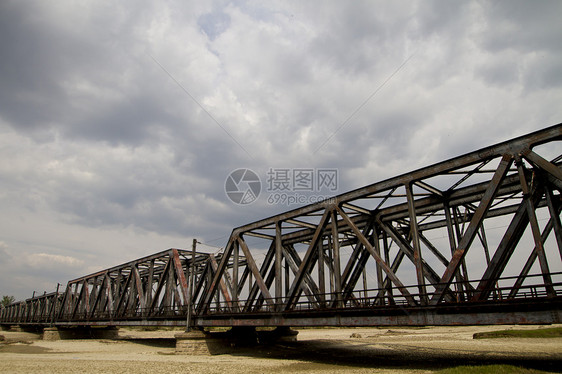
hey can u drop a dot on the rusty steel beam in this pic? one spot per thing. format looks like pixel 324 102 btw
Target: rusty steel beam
pixel 408 236
pixel 455 198
pixel 150 287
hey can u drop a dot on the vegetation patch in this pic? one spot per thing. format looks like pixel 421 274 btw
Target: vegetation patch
pixel 554 332
pixel 489 369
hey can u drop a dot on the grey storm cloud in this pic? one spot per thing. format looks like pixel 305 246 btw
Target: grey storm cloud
pixel 119 123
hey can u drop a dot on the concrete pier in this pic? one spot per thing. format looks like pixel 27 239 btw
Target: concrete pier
pixel 57 333
pixel 200 343
pixel 212 343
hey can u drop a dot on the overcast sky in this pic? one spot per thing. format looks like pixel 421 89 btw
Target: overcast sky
pixel 121 121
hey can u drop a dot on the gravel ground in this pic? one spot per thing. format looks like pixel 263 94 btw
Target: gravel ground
pixel 360 350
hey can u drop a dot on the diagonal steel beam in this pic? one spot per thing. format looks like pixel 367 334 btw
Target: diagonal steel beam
pixel 307 261
pixel 265 266
pixel 221 268
pixel 180 275
pixel 404 247
pixel 357 261
pixel 139 288
pixel 278 264
pixel 255 271
pixel 535 229
pixel 294 261
pixel 161 284
pixel 472 229
pixel 543 164
pixel 530 261
pixel 390 274
pixel 222 284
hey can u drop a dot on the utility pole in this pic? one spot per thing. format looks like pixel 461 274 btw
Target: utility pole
pixel 190 288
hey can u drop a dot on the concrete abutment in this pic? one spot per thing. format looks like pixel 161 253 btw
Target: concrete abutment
pixel 199 342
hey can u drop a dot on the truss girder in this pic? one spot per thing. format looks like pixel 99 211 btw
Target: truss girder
pixel 150 287
pixel 483 227
pixel 340 239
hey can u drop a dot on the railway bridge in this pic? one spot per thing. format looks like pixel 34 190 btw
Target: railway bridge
pixel 476 239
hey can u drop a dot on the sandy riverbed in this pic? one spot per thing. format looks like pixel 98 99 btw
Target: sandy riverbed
pixel 359 350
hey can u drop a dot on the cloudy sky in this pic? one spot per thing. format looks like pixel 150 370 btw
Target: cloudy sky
pixel 121 121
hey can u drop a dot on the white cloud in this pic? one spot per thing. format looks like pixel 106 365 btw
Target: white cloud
pixel 43 260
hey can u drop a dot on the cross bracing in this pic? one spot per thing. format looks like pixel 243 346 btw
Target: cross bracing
pixel 478 234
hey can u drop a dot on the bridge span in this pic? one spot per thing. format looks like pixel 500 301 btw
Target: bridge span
pixel 476 239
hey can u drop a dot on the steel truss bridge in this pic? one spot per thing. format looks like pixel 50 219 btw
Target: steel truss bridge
pixel 476 239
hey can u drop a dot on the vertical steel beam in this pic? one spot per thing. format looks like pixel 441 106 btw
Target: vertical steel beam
pixel 149 287
pixel 337 260
pixel 414 234
pixel 190 298
pixel 387 285
pixel 278 265
pixel 453 247
pixel 287 274
pixel 321 276
pixel 554 209
pixel 235 277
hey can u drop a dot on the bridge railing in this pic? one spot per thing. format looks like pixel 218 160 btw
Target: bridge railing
pixel 42 310
pixel 534 289
pixel 39 309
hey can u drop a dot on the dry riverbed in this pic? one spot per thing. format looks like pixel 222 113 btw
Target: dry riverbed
pixel 357 350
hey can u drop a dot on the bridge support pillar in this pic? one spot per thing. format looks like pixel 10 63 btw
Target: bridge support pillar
pixel 200 343
pixel 213 343
pixel 57 333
